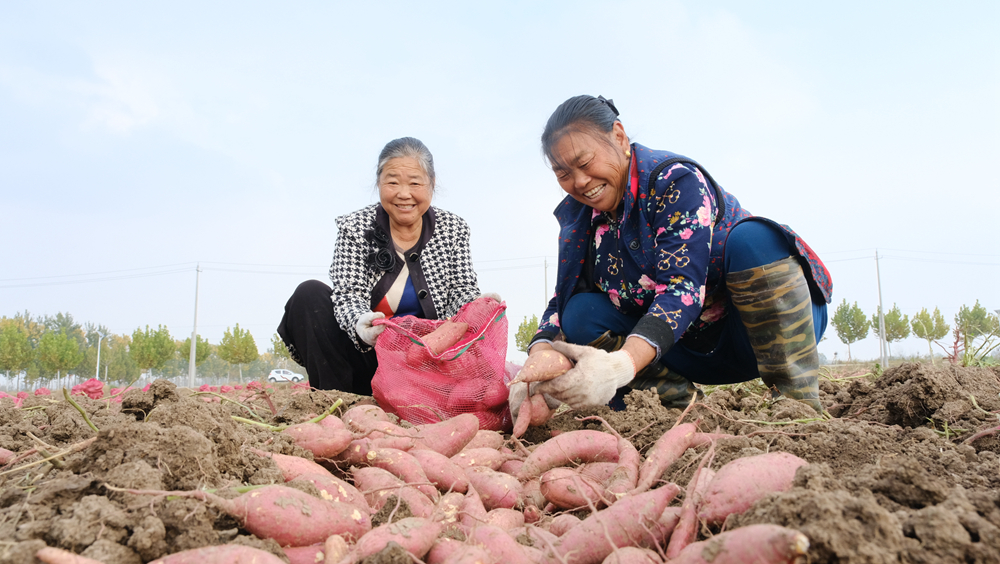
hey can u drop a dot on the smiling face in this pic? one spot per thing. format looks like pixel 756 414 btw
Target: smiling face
pixel 405 191
pixel 591 166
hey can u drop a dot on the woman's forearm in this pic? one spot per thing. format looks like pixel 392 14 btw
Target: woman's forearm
pixel 642 352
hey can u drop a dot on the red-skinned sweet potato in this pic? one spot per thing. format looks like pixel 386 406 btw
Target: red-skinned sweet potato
pixel 567 488
pixel 562 523
pixel 485 438
pixel 450 436
pixel 445 336
pixel 668 448
pixel 305 554
pixel 742 482
pixel 568 448
pixel 542 366
pixel 633 555
pixel 51 555
pixel 448 508
pixel 489 457
pixel 415 534
pixel 496 489
pixel 220 554
pixel 404 466
pixel 332 488
pixel 287 515
pixel 772 544
pixel 499 545
pixel 322 441
pixel 628 523
pixel 377 485
pixel 292 466
pixel 473 511
pixel 441 470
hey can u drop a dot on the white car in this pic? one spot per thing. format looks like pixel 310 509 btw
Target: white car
pixel 282 375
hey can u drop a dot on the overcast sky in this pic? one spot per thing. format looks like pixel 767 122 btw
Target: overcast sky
pixel 139 139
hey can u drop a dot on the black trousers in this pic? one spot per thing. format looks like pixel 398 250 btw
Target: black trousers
pixel 318 343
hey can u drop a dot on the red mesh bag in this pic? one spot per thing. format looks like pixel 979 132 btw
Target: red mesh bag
pixel 468 377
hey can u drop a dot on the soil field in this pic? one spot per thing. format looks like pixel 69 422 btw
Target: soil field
pixel 892 477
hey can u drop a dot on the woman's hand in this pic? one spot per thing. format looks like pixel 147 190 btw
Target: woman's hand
pixel 595 378
pixel 366 331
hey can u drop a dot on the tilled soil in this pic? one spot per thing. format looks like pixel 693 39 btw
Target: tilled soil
pixel 892 477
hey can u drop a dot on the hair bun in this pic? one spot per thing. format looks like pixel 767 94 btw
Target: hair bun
pixel 610 103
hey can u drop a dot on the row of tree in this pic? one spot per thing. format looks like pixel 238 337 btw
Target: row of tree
pixel 852 325
pixel 976 331
pixel 50 347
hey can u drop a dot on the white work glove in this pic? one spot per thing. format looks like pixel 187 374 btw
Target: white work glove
pixel 366 331
pixel 492 296
pixel 595 378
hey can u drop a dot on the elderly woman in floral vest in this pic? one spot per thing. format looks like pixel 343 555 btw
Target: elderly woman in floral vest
pixel 664 279
pixel 401 256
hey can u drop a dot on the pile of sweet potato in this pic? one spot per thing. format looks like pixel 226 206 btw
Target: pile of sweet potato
pixel 469 495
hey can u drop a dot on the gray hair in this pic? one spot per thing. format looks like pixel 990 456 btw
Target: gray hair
pixel 406 147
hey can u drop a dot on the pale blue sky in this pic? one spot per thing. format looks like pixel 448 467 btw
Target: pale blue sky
pixel 139 139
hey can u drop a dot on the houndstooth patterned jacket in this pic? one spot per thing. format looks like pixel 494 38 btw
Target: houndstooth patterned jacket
pixel 441 270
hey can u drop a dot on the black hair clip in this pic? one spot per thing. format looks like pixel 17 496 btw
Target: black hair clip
pixel 610 103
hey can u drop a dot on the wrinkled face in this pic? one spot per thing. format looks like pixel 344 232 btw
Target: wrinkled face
pixel 591 166
pixel 405 191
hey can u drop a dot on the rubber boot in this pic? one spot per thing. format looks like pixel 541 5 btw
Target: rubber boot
pixel 776 307
pixel 674 390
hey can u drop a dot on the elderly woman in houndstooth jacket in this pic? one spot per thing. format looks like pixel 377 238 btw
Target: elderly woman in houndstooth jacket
pixel 398 257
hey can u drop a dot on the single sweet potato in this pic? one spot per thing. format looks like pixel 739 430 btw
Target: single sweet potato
pixel 441 470
pixel 220 554
pixel 377 485
pixel 496 489
pixel 633 555
pixel 444 550
pixel 332 488
pixel 626 474
pixel 447 509
pixel 450 436
pixel 415 534
pixel 562 523
pixel 542 366
pixel 323 442
pixel 305 554
pixel 486 438
pixel 488 457
pixel 287 515
pixel 567 488
pixel 51 555
pixel 334 548
pixel 499 544
pixel 292 466
pixel 571 447
pixel 742 482
pixel 473 512
pixel 403 465
pixel 627 523
pixel 668 448
pixel 505 519
pixel 6 456
pixel 770 544
pixel 445 336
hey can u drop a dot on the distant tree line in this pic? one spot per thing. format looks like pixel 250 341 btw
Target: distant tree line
pixel 975 335
pixel 48 349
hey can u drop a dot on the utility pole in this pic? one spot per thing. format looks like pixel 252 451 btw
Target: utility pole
pixel 194 331
pixel 881 318
pixel 97 369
